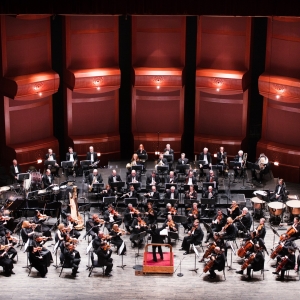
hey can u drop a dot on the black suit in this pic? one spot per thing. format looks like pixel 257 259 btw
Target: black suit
pixel 89 156
pixel 219 264
pixel 70 261
pixel 171 151
pixel 164 160
pixel 111 179
pixel 184 161
pixel 156 239
pixel 53 158
pixel 13 172
pixel 195 238
pixel 257 264
pixel 75 157
pixel 214 178
pixel 156 179
pixel 206 166
pixel 221 157
pixel 236 159
pixel 128 218
pixel 104 259
pixel 174 179
pixel 98 178
pixel 46 180
pixel 137 178
pixel 246 220
pixel 281 193
pixel 187 179
pixel 168 194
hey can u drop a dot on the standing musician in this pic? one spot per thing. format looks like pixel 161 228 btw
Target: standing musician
pixel 153 179
pixel 205 155
pixel 171 226
pixel 261 229
pixel 234 210
pixel 193 214
pixel 104 258
pixel 130 214
pixel 10 240
pixel 243 221
pixel 93 225
pixel 168 150
pixel 195 236
pixel 172 193
pixel 218 223
pixel 211 177
pixel 263 168
pixel 222 159
pixel 138 225
pixel 14 170
pixel 219 262
pixel 5 261
pixel 133 177
pixel 48 179
pixel 94 178
pixel 40 219
pixel 71 259
pixel 280 192
pixel 241 158
pixel 209 194
pixel 190 179
pixel 171 178
pixel 116 239
pixel 151 214
pixel 70 223
pixel 50 156
pixel 183 160
pixel 156 239
pixel 285 263
pixel 255 261
pixel 111 217
pixel 72 156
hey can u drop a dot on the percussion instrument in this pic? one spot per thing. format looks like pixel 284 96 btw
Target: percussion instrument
pixel 42 192
pixel 293 207
pixel 36 177
pixel 27 183
pixel 55 189
pixel 4 189
pixel 258 203
pixel 276 208
pixel 293 197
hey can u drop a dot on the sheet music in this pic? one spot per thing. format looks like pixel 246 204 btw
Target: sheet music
pixel 26 246
pixel 89 247
pixel 164 232
pixel 55 246
pixel 196 251
pixel 121 248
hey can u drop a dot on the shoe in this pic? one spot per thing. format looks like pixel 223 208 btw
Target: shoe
pixel 77 272
pixel 12 272
pixel 155 260
pixel 107 275
pixel 181 249
pixel 14 261
pixel 276 273
pixel 239 272
pixel 186 253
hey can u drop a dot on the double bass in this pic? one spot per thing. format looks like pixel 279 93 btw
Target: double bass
pixel 74 209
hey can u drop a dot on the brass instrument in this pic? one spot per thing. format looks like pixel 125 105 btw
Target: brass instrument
pixel 262 163
pixel 245 155
pixel 74 209
pixel 94 181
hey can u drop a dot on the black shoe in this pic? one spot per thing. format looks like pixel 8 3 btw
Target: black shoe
pixel 276 273
pixel 12 272
pixel 239 272
pixel 14 261
pixel 211 276
pixel 162 258
pixel 186 253
pixel 107 275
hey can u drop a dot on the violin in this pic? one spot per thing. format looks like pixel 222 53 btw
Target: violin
pixel 105 247
pixel 98 220
pixel 171 224
pixel 173 211
pixel 37 249
pixel 135 211
pixel 195 212
pixel 142 223
pixel 41 238
pixel 114 212
pixel 238 217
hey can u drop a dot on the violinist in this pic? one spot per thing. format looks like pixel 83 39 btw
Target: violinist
pixel 138 225
pixel 195 236
pixel 116 239
pixel 234 210
pixel 172 193
pixel 38 241
pixel 27 231
pixel 111 216
pixel 171 226
pixel 193 214
pixel 279 192
pixel 170 210
pixel 219 262
pixel 70 259
pixel 254 261
pixel 37 261
pixel 218 223
pixel 3 221
pixel 40 219
pixel 5 261
pixel 151 214
pixel 104 258
pixel 261 229
pixel 10 240
pixel 156 239
pixel 130 214
pixel 285 263
pixel 243 221
pixel 70 223
pixel 60 236
pixel 190 179
pixel 190 194
pixel 99 239
pixel 93 225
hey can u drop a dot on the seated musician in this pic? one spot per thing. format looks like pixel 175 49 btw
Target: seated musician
pixel 94 178
pixel 60 237
pixel 209 194
pixel 280 192
pixel 151 214
pixel 156 239
pixel 228 231
pixel 99 239
pixel 172 193
pixel 72 156
pixel 8 239
pixel 261 229
pixel 234 210
pixel 116 239
pixel 48 179
pixel 254 237
pixel 193 214
pixel 132 193
pixel 114 177
pixel 50 156
pixel 135 161
pixel 40 219
pixel 190 179
pixel 211 177
pixel 183 160
pixel 111 217
pixel 170 225
pixel 195 236
pixel 108 191
pixel 153 179
pixel 239 158
pixel 93 225
pixel 3 225
pixel 70 259
pixel 191 194
pixel 133 177
pixel 258 262
pixel 218 223
pixel 130 214
pixel 92 156
pixel 222 159
pixel 219 262
pixel 171 178
pixel 39 241
pixel 36 261
pixel 138 225
pixel 154 194
pixel 14 170
pixel 104 258
pixel 161 161
pixel 205 155
pixel 285 263
pixel 169 210
pixel 27 231
pixel 263 164
pixel 244 221
pixel 70 223
pixel 5 261
pixel 295 225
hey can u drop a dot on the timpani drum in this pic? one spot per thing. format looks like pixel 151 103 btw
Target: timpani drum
pixel 293 207
pixel 276 208
pixel 55 189
pixel 258 203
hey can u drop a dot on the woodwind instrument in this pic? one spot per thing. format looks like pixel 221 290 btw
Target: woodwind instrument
pixel 94 181
pixel 74 210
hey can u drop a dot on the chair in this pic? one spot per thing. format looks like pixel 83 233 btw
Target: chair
pixel 262 272
pixel 173 235
pixel 287 273
pixel 63 266
pixel 93 266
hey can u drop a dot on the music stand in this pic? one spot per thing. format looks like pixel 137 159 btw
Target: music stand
pixel 138 168
pixel 162 169
pixel 117 184
pixel 186 187
pixel 50 162
pixel 133 201
pixel 169 157
pixel 171 201
pixel 66 164
pixel 169 185
pixel 211 201
pixel 120 254
pixel 207 184
pixel 234 163
pixel 97 187
pixel 196 255
pixel 217 167
pixel 208 228
pixel 108 200
pixel 138 237
pixel 275 233
pixel 23 176
pixel 85 163
pixel 182 168
pixel 136 185
pixel 85 209
pixel 143 156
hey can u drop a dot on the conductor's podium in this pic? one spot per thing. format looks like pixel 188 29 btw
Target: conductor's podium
pixel 161 266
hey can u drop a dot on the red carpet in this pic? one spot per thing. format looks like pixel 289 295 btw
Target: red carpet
pixel 148 261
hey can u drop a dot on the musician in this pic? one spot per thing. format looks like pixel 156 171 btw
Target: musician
pixel 168 150
pixel 8 239
pixel 240 159
pixel 190 179
pixel 172 193
pixel 254 237
pixel 183 160
pixel 104 258
pixel 229 230
pixel 205 155
pixel 72 156
pixel 191 194
pixel 135 161
pixel 154 194
pixel 94 178
pixel 40 219
pixel 171 178
pixel 211 177
pixel 161 161
pixel 5 261
pixel 99 239
pixel 280 192
pixel 151 214
pixel 36 261
pixel 222 159
pixel 91 155
pixel 156 239
pixel 195 236
pixel 70 259
pixel 114 177
pixel 133 177
pixel 110 217
pixel 219 262
pixel 218 222
pixel 244 221
pixel 116 239
pixel 93 225
pixel 295 225
pixel 130 214
pixel 3 222
pixel 262 167
pixel 138 225
pixel 27 231
pixel 261 229
pixel 209 194
pixel 193 214
pixel 132 193
pixel 258 263
pixel 50 156
pixel 71 223
pixel 48 179
pixel 39 241
pixel 234 210
pixel 14 170
pixel 141 151
pixel 169 210
pixel 170 225
pixel 153 179
pixel 288 265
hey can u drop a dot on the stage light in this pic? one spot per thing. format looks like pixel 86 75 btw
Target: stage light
pixel 157 152
pixel 39 161
pixel 98 88
pixel 218 90
pixel 277 96
pixel 158 87
pixel 276 163
pixel 40 93
pixel 98 154
pixel 215 154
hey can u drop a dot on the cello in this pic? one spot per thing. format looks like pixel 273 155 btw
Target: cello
pixel 74 209
pixel 243 250
pixel 248 261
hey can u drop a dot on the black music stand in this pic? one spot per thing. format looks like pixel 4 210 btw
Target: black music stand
pixel 122 255
pixel 133 201
pixel 211 201
pixel 136 185
pixel 169 157
pixel 117 184
pixel 66 165
pixel 138 237
pixel 208 228
pixel 137 168
pixel 108 200
pixel 161 170
pixel 182 168
pixel 50 162
pixel 84 209
pixel 171 201
pixel 85 165
pixel 23 176
pixel 186 187
pixel 207 184
pixel 143 156
pixel 169 185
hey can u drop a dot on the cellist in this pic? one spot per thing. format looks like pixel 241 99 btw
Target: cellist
pixel 219 262
pixel 287 262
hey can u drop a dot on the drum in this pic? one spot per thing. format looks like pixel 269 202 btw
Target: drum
pixel 27 183
pixel 258 203
pixel 276 208
pixel 36 177
pixel 294 207
pixel 42 192
pixel 55 189
pixel 4 189
pixel 63 188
